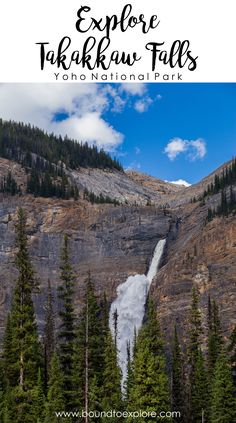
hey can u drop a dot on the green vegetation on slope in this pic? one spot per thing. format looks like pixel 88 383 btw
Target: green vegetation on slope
pixel 18 140
pixel 46 159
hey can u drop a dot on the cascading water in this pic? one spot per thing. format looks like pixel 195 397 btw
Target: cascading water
pixel 130 307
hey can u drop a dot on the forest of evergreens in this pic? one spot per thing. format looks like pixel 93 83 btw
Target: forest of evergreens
pixel 20 142
pixel 224 184
pixel 76 367
pixel 46 158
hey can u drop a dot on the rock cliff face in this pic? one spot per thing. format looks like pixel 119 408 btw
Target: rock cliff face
pixel 116 242
pixel 130 187
pixel 111 242
pixel 201 255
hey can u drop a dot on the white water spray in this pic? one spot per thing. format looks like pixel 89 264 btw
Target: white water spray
pixel 130 306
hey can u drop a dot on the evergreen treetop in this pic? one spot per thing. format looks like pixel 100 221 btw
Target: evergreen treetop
pixel 24 345
pixel 67 333
pixel 223 406
pixel 214 340
pixel 55 397
pixel 150 387
pixel 178 379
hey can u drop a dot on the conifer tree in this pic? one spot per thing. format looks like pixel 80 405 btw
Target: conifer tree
pixel 89 351
pixel 24 328
pixel 55 397
pixel 214 335
pixel 39 400
pixel 178 380
pixel 195 330
pixel 129 377
pixel 21 355
pixel 111 387
pixel 150 390
pixel 223 407
pixel 115 325
pixel 196 365
pixel 104 315
pixel 232 352
pixel 67 327
pixel 199 391
pixel 49 333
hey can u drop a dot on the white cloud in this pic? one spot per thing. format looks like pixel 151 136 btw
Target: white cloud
pixel 83 104
pixel 159 97
pixel 199 147
pixel 137 150
pixel 143 104
pixel 180 182
pixel 118 101
pixel 134 88
pixel 194 149
pixel 175 147
pixel 83 107
pixel 92 128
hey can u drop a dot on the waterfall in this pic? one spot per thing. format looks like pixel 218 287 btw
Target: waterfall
pixel 130 306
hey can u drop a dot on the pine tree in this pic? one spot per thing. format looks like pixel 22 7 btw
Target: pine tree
pixel 111 387
pixel 49 333
pixel 199 391
pixel 104 314
pixel 67 327
pixel 195 330
pixel 115 325
pixel 151 328
pixel 150 390
pixel 198 404
pixel 214 335
pixel 178 380
pixel 89 351
pixel 19 405
pixel 232 352
pixel 38 400
pixel 111 374
pixel 129 377
pixel 24 329
pixel 223 407
pixel 55 397
pixel 21 355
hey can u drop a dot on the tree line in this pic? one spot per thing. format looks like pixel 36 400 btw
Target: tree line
pixel 45 158
pixel 224 184
pixel 99 199
pixel 226 207
pixel 224 180
pixel 22 143
pixel 46 186
pixel 76 367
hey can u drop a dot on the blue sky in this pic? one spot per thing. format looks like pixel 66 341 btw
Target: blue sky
pixel 171 131
pixel 191 112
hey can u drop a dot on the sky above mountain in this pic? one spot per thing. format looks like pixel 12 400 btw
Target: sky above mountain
pixel 171 131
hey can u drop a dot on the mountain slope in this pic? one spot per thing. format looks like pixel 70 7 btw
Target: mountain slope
pixel 116 241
